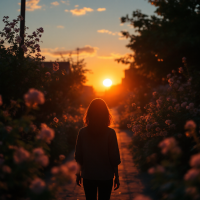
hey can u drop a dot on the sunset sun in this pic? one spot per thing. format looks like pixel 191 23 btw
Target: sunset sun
pixel 107 82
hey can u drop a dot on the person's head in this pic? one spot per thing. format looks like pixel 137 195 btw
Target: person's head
pixel 97 114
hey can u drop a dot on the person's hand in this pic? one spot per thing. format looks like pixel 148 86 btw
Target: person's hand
pixel 116 183
pixel 78 180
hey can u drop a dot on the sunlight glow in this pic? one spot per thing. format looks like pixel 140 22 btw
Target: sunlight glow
pixel 107 82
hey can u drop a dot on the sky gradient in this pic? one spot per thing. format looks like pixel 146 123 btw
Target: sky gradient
pixel 93 26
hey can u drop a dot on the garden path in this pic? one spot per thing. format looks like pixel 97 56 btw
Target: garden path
pixel 131 182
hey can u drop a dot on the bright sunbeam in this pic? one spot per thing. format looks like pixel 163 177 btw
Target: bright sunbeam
pixel 107 82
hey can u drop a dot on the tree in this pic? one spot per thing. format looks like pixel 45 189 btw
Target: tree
pixel 162 40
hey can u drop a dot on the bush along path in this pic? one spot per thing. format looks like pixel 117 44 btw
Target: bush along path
pixel 132 183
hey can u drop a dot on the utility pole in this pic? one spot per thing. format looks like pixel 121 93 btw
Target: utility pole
pixel 22 24
pixel 77 55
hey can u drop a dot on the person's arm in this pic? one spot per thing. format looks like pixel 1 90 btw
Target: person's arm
pixel 114 156
pixel 116 180
pixel 78 157
pixel 116 172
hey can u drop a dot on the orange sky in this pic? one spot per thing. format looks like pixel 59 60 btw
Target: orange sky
pixel 90 25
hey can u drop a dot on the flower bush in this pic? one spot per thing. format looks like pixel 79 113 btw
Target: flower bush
pixel 40 111
pixel 27 75
pixel 166 136
pixel 24 156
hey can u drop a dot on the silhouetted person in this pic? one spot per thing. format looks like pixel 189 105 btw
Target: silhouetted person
pixel 97 153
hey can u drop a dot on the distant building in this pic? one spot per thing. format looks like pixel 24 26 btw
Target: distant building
pixel 62 65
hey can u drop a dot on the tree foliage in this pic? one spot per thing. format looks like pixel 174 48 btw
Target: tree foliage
pixel 161 40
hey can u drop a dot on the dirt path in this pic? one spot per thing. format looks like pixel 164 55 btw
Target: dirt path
pixel 130 180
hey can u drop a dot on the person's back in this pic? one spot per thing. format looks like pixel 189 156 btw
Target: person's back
pixel 97 153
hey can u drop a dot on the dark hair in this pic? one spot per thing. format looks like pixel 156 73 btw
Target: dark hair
pixel 97 114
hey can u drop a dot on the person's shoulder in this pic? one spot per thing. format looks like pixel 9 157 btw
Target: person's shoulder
pixel 82 130
pixel 111 131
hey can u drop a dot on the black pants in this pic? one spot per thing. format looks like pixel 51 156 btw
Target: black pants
pixel 104 189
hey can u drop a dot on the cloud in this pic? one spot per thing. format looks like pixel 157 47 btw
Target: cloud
pixel 113 56
pixel 101 9
pixel 84 51
pixel 107 31
pixel 66 10
pixel 55 3
pixel 66 2
pixel 32 5
pixel 76 6
pixel 60 26
pixel 112 33
pixel 81 11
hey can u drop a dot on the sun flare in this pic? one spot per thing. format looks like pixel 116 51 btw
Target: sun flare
pixel 107 82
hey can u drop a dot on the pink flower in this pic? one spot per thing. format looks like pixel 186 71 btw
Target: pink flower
pixel 156 169
pixel 72 166
pixel 190 125
pixel 195 161
pixel 141 197
pixel 21 155
pixel 177 107
pixel 180 70
pixel 168 98
pixel 191 175
pixel 151 104
pixel 34 97
pixel 46 133
pixel 48 73
pixel 38 151
pixel 169 75
pixel 6 169
pixel 133 105
pixel 55 119
pixel 156 124
pixel 171 81
pixel 151 170
pixel 34 127
pixel 1 101
pixel 170 108
pixel 37 185
pixel 184 59
pixel 154 94
pixel 61 157
pixel 169 145
pixel 158 129
pixel 168 122
pixel 55 66
pixel 54 170
pixel 8 129
pixel 183 105
pixel 42 160
pixel 128 125
pixel 64 170
pixel 191 105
